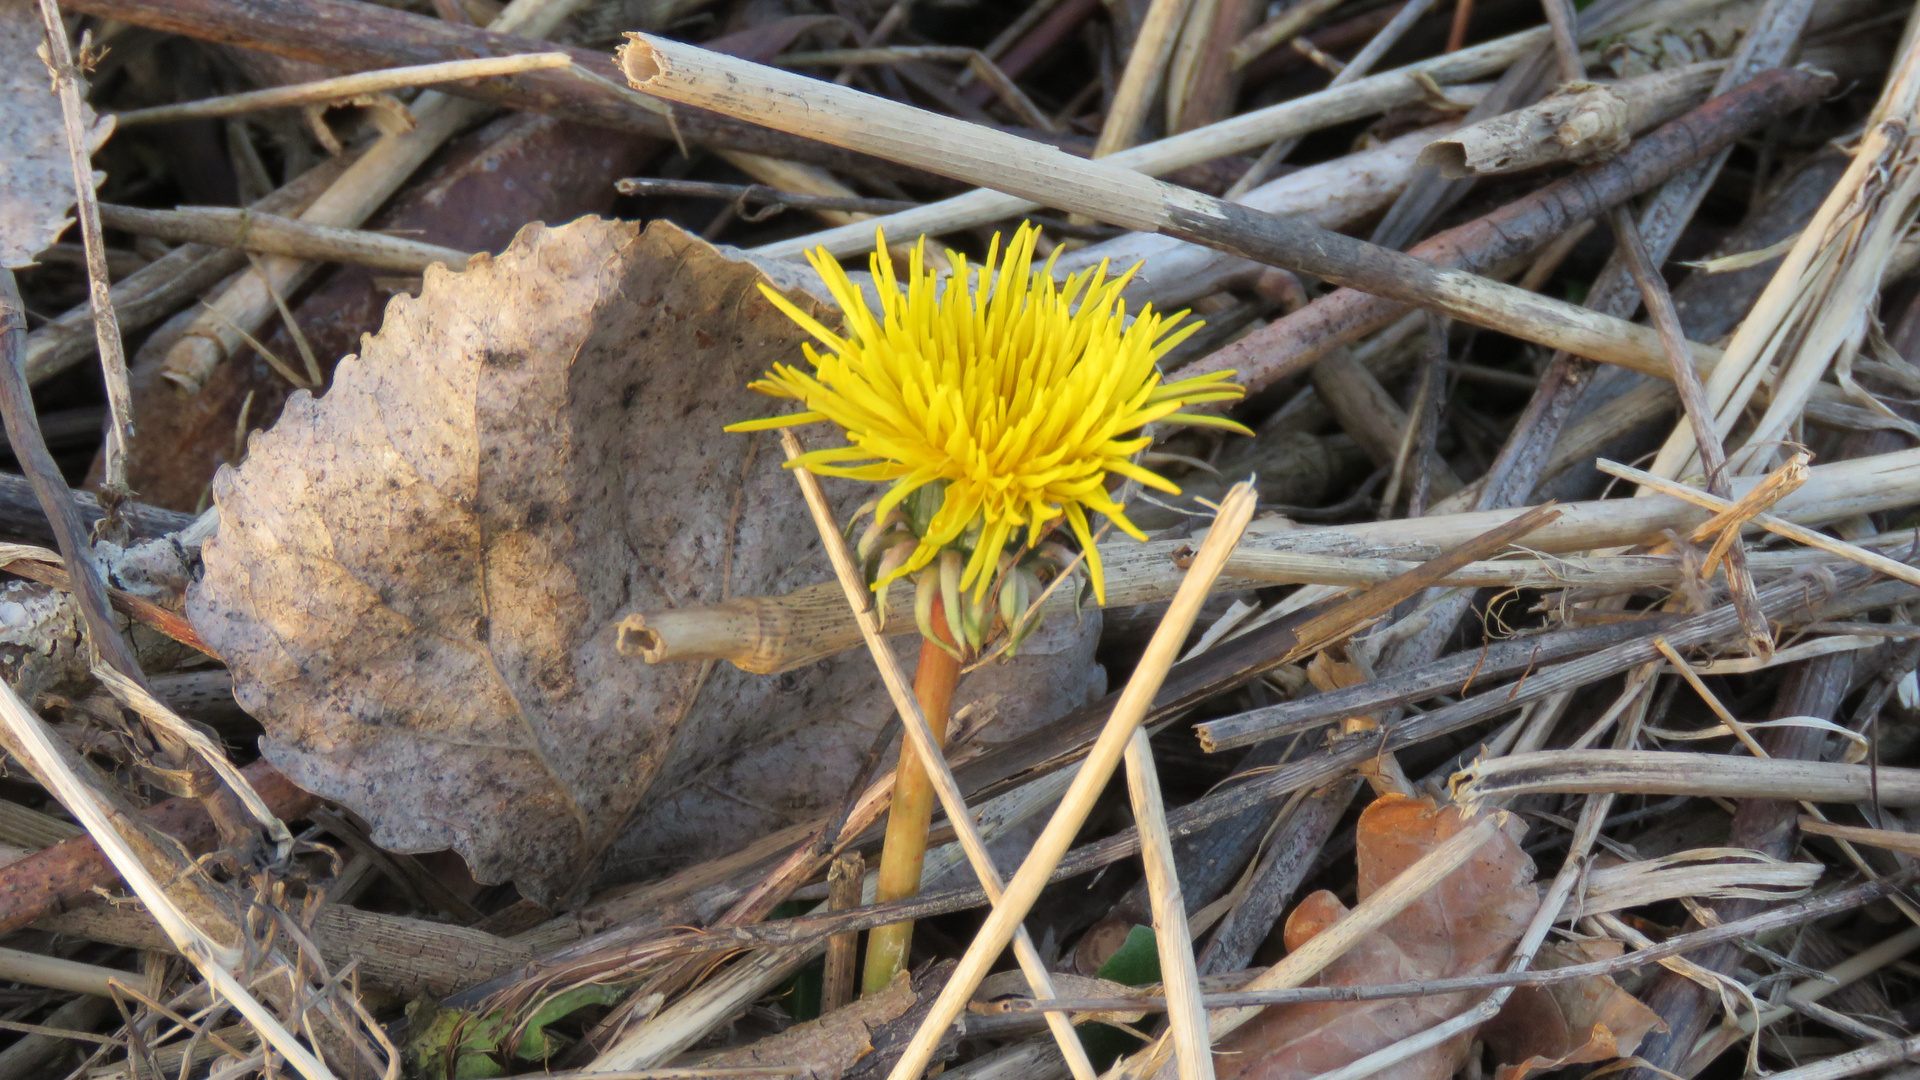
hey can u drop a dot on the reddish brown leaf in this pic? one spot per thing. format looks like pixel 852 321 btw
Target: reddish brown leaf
pixel 1465 925
pixel 1545 1027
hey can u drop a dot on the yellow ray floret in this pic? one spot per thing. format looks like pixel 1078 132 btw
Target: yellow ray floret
pixel 1019 392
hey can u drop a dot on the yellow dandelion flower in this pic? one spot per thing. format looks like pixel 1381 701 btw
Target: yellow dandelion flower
pixel 1022 394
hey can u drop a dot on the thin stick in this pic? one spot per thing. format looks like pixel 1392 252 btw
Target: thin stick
pixel 35 969
pixel 1088 783
pixel 991 158
pixel 249 230
pixel 772 634
pixel 1457 33
pixel 1891 839
pixel 1173 938
pixel 1668 772
pixel 106 327
pixel 1146 63
pixel 50 489
pixel 1566 46
pixel 1778 526
pixel 1693 401
pixel 1607 572
pixel 369 181
pixel 756 193
pixel 1865 1059
pixel 921 738
pixel 1283 27
pixel 1357 68
pixel 342 88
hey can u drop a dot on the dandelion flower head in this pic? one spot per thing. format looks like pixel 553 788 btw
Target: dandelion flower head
pixel 1019 393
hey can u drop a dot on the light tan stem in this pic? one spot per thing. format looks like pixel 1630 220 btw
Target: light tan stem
pixel 797 176
pixel 1152 47
pixel 1282 27
pixel 1186 1016
pixel 844 879
pixel 106 325
pixel 223 226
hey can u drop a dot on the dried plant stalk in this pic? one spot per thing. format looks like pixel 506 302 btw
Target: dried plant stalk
pixel 1173 939
pixel 81 143
pixel 988 157
pixel 342 88
pixel 368 182
pixel 1231 136
pixel 275 235
pixel 1813 313
pixel 769 634
pixel 1282 27
pixel 1852 552
pixel 1667 772
pixel 1141 78
pixel 165 285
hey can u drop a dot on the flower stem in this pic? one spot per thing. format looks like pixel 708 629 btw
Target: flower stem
pixel 905 848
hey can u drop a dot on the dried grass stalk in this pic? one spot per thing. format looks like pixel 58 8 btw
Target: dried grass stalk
pixel 345 87
pixel 1247 131
pixel 1666 772
pixel 768 634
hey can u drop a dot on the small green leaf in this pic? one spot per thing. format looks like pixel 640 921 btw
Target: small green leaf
pixel 1137 962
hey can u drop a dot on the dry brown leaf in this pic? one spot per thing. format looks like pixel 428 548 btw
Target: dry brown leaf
pixel 1567 1023
pixel 1466 925
pixel 416 575
pixel 36 180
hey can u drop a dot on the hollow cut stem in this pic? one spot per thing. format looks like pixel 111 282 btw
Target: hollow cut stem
pixel 904 850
